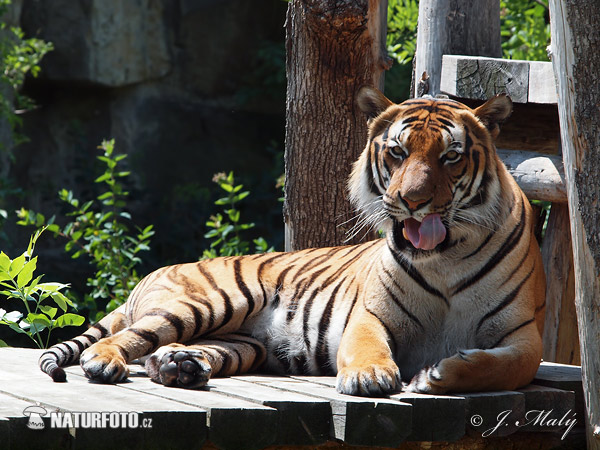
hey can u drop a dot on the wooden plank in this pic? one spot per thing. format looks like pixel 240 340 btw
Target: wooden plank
pixel 355 420
pixel 482 78
pixel 15 434
pixel 576 61
pixel 254 424
pixel 487 412
pixel 542 84
pixel 454 27
pixel 565 377
pixel 560 338
pixel 303 420
pixel 445 411
pixel 435 417
pixel 541 177
pixel 548 409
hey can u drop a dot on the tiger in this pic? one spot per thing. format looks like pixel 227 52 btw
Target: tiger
pixel 450 299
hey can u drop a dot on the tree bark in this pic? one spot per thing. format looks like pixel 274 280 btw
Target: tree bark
pixel 575 29
pixel 333 49
pixel 454 27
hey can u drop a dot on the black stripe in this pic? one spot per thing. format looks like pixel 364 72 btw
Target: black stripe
pixel 80 345
pixel 197 319
pixel 322 347
pixel 227 301
pixel 478 249
pixel 148 336
pixel 400 305
pixel 259 274
pixel 208 305
pixel 505 302
pixel 306 283
pixel 504 250
pixel 524 324
pixel 259 350
pixel 416 276
pixel 173 320
pixel 391 337
pixel 242 286
pixel 99 327
pixel 351 307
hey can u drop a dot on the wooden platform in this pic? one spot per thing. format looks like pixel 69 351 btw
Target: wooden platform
pixel 253 412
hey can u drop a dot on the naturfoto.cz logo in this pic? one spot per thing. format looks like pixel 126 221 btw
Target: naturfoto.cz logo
pixel 90 419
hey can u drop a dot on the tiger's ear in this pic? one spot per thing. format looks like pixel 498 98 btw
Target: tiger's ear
pixel 372 102
pixel 493 112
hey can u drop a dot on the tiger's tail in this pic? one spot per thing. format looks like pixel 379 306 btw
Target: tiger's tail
pixel 68 352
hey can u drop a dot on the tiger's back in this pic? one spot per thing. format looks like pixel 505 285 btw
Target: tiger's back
pixel 451 299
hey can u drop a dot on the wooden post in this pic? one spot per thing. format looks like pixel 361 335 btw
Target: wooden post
pixel 575 29
pixel 457 27
pixel 333 49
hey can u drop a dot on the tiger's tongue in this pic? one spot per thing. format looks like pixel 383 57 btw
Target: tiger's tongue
pixel 425 235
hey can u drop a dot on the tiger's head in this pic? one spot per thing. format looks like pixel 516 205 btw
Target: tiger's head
pixel 429 169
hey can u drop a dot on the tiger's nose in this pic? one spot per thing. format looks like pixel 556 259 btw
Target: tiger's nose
pixel 414 203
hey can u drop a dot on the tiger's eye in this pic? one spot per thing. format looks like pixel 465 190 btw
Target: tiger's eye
pixel 396 152
pixel 452 155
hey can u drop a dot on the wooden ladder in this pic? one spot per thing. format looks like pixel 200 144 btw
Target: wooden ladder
pixel 529 145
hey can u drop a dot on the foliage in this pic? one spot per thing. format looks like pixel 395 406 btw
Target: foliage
pixel 18 58
pixel 401 44
pixel 525 29
pixel 402 30
pixel 101 233
pixel 226 229
pixel 525 32
pixel 16 277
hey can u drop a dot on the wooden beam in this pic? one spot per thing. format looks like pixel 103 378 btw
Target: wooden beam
pixel 482 78
pixel 541 177
pixel 575 27
pixel 458 27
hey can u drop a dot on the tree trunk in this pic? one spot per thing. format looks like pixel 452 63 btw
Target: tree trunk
pixel 333 49
pixel 454 27
pixel 575 41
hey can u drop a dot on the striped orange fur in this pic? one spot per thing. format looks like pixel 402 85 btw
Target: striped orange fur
pixel 451 299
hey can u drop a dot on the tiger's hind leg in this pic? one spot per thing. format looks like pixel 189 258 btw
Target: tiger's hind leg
pixel 191 366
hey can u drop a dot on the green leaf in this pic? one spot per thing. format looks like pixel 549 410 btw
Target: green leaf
pixel 52 287
pixel 102 178
pixel 4 261
pixel 61 300
pixel 69 320
pixel 3 344
pixel 17 265
pixel 38 319
pixel 26 274
pixel 48 310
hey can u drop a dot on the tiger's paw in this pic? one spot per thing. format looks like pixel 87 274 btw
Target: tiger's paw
pixel 450 374
pixel 373 380
pixel 427 381
pixel 104 363
pixel 179 367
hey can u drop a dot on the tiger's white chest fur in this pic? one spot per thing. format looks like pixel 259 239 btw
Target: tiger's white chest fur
pixel 427 327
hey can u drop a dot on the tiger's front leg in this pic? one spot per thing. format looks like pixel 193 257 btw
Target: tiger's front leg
pixel 364 359
pixel 508 366
pixel 191 366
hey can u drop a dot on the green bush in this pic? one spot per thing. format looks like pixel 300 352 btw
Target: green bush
pixel 101 232
pixel 525 29
pixel 226 229
pixel 39 299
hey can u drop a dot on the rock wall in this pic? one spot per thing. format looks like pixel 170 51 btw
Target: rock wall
pixel 178 84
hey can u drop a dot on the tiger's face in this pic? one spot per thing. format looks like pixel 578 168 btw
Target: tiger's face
pixel 428 168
